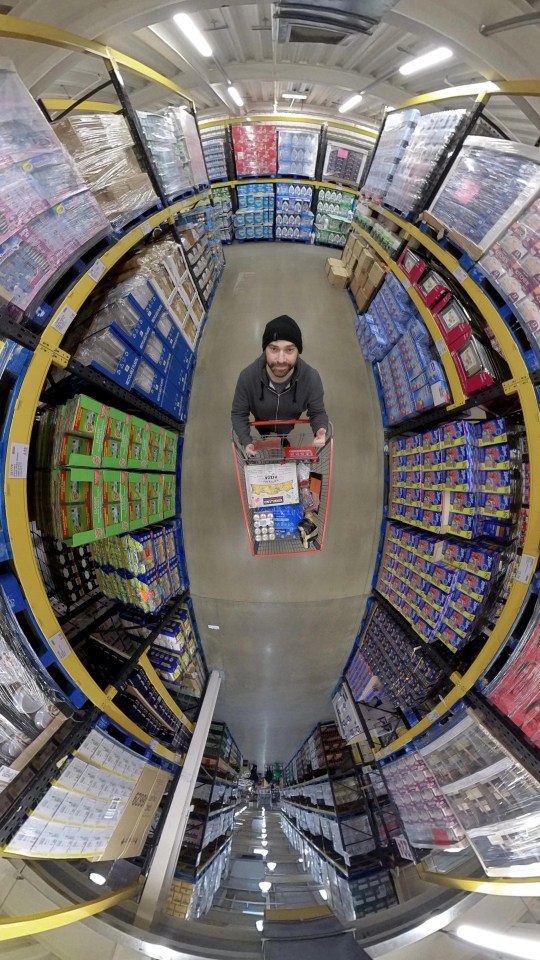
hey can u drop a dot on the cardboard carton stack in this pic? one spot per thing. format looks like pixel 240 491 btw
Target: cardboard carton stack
pixel 367 275
pixel 336 273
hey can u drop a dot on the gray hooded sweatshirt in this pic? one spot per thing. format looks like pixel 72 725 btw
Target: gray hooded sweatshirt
pixel 254 394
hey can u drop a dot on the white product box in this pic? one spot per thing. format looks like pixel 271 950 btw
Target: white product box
pixel 268 484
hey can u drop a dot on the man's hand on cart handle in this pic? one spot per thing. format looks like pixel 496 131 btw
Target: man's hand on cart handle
pixel 320 438
pixel 250 450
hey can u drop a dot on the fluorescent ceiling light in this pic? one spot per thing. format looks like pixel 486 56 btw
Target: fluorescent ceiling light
pixel 350 103
pixel 323 893
pixel 426 60
pixel 98 878
pixel 263 853
pixel 264 843
pixel 294 96
pixel 265 886
pixel 515 946
pixel 259 924
pixel 271 866
pixel 234 95
pixel 193 34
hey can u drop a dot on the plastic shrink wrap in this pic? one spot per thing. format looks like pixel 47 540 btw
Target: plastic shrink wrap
pixel 430 140
pixel 425 813
pixel 255 149
pixel 495 799
pixel 102 147
pixel 487 188
pixel 297 153
pixel 515 691
pixel 47 215
pixel 165 142
pixel 395 137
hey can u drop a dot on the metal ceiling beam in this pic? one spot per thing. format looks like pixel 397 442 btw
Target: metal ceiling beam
pixel 488 30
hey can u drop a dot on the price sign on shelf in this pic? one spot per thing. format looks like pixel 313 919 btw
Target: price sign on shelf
pixel 525 568
pixel 460 274
pixel 97 270
pixel 18 461
pixel 59 646
pixel 406 283
pixel 64 319
pixel 441 347
pixel 145 229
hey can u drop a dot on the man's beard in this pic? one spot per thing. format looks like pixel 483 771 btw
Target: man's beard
pixel 281 371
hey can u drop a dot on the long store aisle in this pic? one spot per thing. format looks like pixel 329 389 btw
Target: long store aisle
pixel 286 624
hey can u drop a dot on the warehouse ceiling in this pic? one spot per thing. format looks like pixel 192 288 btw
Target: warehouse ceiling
pixel 324 51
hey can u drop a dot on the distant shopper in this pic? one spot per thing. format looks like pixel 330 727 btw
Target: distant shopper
pixel 279 386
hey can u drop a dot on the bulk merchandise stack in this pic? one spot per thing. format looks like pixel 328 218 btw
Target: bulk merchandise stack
pixel 333 216
pixel 255 149
pixel 205 852
pixel 331 814
pixel 201 242
pixel 102 147
pixel 166 143
pixel 222 201
pixel 141 327
pixel 48 215
pixel 445 652
pixel 254 219
pixel 297 153
pixel 294 219
pixel 215 159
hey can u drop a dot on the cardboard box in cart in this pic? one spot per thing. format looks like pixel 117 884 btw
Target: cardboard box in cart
pixel 273 483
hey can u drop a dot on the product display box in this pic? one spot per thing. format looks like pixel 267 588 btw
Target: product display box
pixel 336 274
pixel 271 484
pixel 130 833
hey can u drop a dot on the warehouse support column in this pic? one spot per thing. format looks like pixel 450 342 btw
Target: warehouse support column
pixel 161 873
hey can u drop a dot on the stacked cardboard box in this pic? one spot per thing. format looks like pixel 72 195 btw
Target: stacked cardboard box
pixel 337 275
pixel 368 275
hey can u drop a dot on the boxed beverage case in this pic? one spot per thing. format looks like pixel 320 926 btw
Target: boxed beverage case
pixel 271 484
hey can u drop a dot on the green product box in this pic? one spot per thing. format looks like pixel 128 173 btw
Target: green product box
pixel 169 507
pixel 84 417
pixel 169 485
pixel 138 514
pixel 75 451
pixel 138 444
pixel 156 452
pixel 155 509
pixel 116 441
pixel 84 523
pixel 155 486
pixel 65 487
pixel 137 486
pixel 170 451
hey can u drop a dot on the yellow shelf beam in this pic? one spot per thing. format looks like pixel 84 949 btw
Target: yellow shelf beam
pixel 483 90
pixel 35 923
pixel 89 106
pixel 492 886
pixel 16 493
pixel 454 382
pixel 17 28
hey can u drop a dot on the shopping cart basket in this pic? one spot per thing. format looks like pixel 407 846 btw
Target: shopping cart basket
pixel 287 483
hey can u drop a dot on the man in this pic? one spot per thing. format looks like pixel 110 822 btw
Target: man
pixel 278 386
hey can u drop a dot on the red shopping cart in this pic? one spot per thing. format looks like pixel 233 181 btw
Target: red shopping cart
pixel 285 488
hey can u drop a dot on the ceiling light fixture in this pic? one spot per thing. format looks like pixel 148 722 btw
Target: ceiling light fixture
pixel 294 96
pixel 259 850
pixel 426 60
pixel 350 103
pixel 323 893
pixel 265 886
pixel 264 843
pixel 234 95
pixel 523 947
pixel 193 34
pixel 271 866
pixel 98 879
pixel 260 925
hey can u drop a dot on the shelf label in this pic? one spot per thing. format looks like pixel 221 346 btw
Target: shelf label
pixel 97 270
pixel 18 461
pixel 433 716
pixel 441 347
pixel 64 319
pixel 59 646
pixel 438 394
pixel 525 568
pixel 406 283
pixel 460 274
pixel 145 228
pixel 153 744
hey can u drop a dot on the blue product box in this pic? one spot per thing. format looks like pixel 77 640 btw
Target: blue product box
pixel 423 397
pixel 167 330
pixel 424 629
pixel 432 460
pixel 463 479
pixel 463 501
pixel 458 458
pixel 427 545
pixel 442 576
pixel 432 499
pixel 431 520
pixel 457 621
pixel 472 585
pixel 496 457
pixel 418 330
pixel 126 367
pixel 457 433
pixel 464 604
pixel 434 480
pixel 157 353
pixel 435 596
pixel 431 440
pixel 411 514
pixel 149 382
pixel 496 505
pixel 449 637
pixel 495 481
pixel 496 529
pixel 462 525
pixel 482 560
pixel 490 432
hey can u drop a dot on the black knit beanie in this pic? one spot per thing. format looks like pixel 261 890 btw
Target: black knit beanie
pixel 282 328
